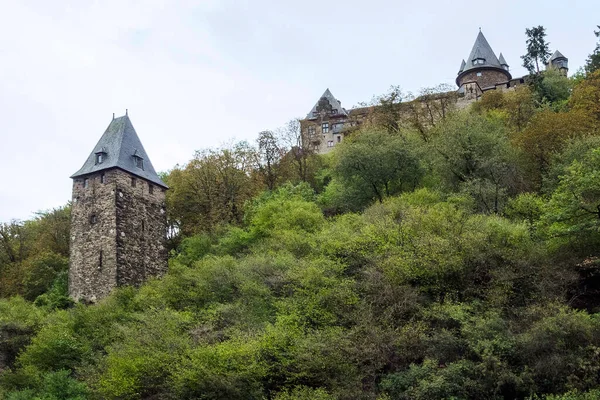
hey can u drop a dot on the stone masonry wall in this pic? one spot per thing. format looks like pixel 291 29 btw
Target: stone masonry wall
pixel 141 227
pixel 93 260
pixel 489 77
pixel 117 234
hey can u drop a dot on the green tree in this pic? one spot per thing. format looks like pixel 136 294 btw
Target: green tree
pixel 537 49
pixel 212 188
pixel 593 61
pixel 573 212
pixel 270 154
pixel 377 163
pixel 472 153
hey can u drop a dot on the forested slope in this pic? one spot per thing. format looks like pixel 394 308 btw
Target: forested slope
pixel 452 259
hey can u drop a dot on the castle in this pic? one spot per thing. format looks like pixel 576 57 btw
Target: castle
pixel 118 222
pixel 327 122
pixel 118 216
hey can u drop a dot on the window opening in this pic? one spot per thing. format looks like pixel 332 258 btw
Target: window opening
pixel 100 260
pixel 139 162
pixel 150 188
pixel 133 182
pixel 325 127
pixel 93 219
pixel 86 183
pixel 102 178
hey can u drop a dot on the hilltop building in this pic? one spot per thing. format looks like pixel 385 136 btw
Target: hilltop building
pixel 559 62
pixel 328 122
pixel 118 219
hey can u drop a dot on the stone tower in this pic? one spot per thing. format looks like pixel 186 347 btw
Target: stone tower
pixel 483 67
pixel 118 219
pixel 559 62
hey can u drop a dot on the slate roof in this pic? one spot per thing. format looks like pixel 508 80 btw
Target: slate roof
pixel 502 60
pixel 557 54
pixel 482 49
pixel 335 105
pixel 120 143
pixel 463 64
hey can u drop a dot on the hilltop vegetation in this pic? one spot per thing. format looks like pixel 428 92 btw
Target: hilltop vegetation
pixel 456 258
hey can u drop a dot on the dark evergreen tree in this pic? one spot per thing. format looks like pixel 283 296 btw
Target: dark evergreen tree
pixel 537 49
pixel 593 61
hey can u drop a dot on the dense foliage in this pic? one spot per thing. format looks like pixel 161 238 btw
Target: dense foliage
pixel 456 259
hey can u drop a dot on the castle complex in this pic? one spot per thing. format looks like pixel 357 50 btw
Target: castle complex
pixel 327 122
pixel 118 218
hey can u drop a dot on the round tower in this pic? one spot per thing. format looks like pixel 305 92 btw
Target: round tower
pixel 483 67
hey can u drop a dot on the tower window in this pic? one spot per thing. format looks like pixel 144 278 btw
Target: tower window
pixel 330 143
pixel 133 182
pixel 339 138
pixel 86 183
pixel 311 130
pixel 150 188
pixel 479 61
pixel 139 162
pixel 325 127
pixel 102 178
pixel 479 74
pixel 100 260
pixel 99 158
pixel 93 219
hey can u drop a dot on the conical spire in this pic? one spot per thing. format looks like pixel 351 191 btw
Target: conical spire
pixel 463 64
pixel 328 103
pixel 120 147
pixel 502 60
pixel 483 51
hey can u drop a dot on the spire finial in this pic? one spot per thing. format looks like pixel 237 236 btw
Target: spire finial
pixel 126 112
pixel 113 115
pixel 479 29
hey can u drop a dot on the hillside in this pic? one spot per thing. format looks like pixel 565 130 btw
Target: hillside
pixel 452 259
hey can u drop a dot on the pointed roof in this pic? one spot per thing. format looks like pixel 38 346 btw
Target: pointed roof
pixel 486 59
pixel 327 103
pixel 120 146
pixel 482 49
pixel 557 54
pixel 502 60
pixel 463 64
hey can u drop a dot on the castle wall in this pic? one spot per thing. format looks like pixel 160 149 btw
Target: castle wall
pixel 117 234
pixel 488 78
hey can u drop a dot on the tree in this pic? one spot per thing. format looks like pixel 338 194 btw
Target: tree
pixel 212 188
pixel 300 151
pixel 547 134
pixel 573 213
pixel 378 163
pixel 472 153
pixel 270 154
pixel 386 109
pixel 431 107
pixel 586 96
pixel 537 49
pixel 593 61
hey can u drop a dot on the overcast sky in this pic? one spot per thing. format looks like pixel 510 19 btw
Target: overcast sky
pixel 196 74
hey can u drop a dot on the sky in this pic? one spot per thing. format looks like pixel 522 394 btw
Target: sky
pixel 199 74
